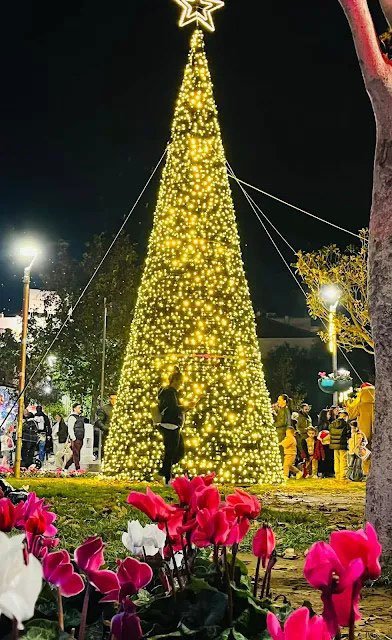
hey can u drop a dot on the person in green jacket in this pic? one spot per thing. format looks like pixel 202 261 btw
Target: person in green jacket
pixel 304 421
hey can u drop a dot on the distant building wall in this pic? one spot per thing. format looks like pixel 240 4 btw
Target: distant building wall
pixel 269 344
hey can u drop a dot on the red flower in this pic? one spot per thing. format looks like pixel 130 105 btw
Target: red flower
pixel 7 515
pixel 89 558
pixel 58 571
pixel 176 528
pixel 363 544
pixel 205 498
pixel 185 488
pixel 244 504
pixel 213 527
pixel 264 544
pixel 152 505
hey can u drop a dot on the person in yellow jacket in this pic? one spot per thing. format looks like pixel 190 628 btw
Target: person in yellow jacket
pixel 362 409
pixel 289 445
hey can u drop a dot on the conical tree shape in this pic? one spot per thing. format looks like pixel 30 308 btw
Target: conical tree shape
pixel 194 311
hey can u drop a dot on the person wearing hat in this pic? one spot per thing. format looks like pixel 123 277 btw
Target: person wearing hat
pixel 340 433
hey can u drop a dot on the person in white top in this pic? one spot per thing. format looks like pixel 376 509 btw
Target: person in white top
pixel 76 434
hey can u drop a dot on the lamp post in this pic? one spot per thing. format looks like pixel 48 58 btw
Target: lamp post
pixel 331 294
pixel 30 253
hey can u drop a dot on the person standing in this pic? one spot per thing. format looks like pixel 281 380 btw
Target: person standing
pixel 59 433
pixel 29 438
pixel 304 421
pixel 282 417
pixel 7 447
pixel 289 446
pixel 340 433
pixel 44 429
pixel 76 434
pixel 172 419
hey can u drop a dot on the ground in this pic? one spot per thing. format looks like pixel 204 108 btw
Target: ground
pixel 301 513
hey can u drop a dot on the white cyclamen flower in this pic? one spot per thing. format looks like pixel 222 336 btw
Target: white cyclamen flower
pixel 139 540
pixel 20 584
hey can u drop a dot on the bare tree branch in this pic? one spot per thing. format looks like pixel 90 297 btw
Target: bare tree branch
pixel 373 64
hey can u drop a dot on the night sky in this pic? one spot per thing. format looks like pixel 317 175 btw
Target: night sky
pixel 88 89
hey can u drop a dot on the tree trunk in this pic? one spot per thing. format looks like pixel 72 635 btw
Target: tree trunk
pixel 377 75
pixel 379 488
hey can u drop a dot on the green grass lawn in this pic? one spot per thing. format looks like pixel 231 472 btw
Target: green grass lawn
pixel 88 507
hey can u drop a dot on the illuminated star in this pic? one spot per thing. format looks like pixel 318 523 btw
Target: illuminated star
pixel 199 11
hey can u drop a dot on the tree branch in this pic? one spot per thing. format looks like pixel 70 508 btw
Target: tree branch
pixel 386 6
pixel 373 65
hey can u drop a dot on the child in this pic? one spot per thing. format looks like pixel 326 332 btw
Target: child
pixel 356 445
pixel 340 433
pixel 289 445
pixel 313 452
pixel 7 447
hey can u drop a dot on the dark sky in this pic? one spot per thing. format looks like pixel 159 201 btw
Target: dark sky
pixel 87 102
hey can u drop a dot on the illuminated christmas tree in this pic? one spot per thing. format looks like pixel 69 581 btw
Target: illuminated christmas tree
pixel 194 311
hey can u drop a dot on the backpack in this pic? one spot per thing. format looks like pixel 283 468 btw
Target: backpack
pixel 355 472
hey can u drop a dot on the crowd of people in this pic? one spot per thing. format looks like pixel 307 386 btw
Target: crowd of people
pixel 338 445
pixel 56 443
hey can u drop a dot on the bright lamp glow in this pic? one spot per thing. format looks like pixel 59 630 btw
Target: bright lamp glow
pixel 330 294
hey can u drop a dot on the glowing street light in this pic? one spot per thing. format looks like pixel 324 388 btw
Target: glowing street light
pixel 27 252
pixel 330 295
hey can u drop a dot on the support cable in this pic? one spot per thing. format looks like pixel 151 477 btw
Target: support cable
pixel 255 207
pixel 293 206
pixel 72 308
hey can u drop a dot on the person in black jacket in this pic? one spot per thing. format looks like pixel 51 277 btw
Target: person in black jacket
pixel 172 420
pixel 29 438
pixel 339 435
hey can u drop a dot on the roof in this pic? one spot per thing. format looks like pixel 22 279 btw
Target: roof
pixel 268 328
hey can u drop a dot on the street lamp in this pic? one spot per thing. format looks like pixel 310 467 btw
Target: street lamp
pixel 29 253
pixel 330 295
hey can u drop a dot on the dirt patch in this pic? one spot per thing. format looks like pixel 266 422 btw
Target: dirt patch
pixel 343 505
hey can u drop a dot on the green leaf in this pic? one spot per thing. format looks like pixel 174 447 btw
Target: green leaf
pixel 197 584
pixel 238 636
pixel 42 630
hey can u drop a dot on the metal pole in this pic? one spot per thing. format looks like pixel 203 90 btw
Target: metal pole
pixel 333 345
pixel 105 322
pixel 22 373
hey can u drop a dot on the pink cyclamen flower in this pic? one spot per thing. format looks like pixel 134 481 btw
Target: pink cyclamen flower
pixel 132 576
pixel 363 544
pixel 340 585
pixel 35 510
pixel 151 504
pixel 299 624
pixel 126 624
pixel 264 544
pixel 89 558
pixel 244 504
pixel 58 571
pixel 7 515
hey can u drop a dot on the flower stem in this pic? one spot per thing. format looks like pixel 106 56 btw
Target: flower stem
pixel 351 626
pixel 83 620
pixel 256 577
pixel 228 587
pixel 60 610
pixel 176 571
pixel 234 552
pixel 15 630
pixel 184 551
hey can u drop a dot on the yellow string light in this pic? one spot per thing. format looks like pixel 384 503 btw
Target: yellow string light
pixel 199 11
pixel 194 311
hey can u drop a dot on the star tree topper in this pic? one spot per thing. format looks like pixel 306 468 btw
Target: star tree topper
pixel 199 11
